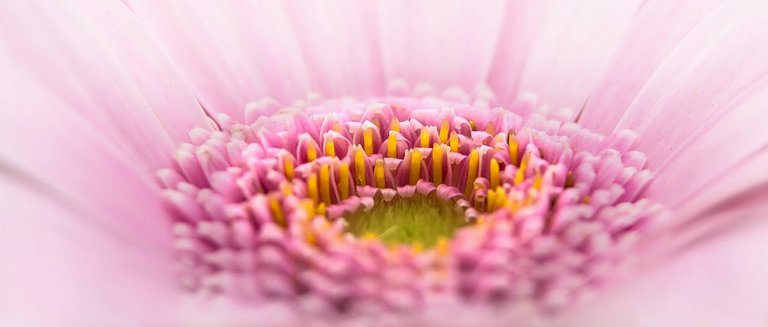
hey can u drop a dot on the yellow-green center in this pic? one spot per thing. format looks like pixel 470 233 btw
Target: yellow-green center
pixel 414 220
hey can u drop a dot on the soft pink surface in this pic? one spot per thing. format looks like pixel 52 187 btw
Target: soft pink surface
pixel 96 95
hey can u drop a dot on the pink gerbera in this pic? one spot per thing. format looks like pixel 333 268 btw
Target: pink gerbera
pixel 387 163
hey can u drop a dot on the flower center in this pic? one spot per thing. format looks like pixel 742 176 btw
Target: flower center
pixel 419 220
pixel 389 202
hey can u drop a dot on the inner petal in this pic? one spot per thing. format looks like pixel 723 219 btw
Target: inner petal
pixel 417 220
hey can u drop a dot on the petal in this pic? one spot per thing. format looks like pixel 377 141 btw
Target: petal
pixel 230 53
pixel 719 282
pixel 568 52
pixel 446 43
pixel 656 30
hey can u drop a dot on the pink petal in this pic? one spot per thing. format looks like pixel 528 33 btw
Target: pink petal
pixel 230 53
pixel 446 43
pixel 568 53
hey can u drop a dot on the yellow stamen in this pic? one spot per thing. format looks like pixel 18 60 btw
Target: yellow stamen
pixel 359 167
pixel 312 187
pixel 417 247
pixel 472 125
pixel 424 137
pixel 288 167
pixel 587 199
pixel 277 211
pixel 368 141
pixel 287 189
pixel 325 184
pixel 308 206
pixel 501 197
pixel 491 201
pixel 344 181
pixel 369 236
pixel 321 209
pixel 444 131
pixel 392 145
pixel 512 143
pixel 442 246
pixel 490 128
pixel 537 180
pixel 437 164
pixel 474 161
pixel 378 173
pixel 311 152
pixel 454 142
pixel 330 148
pixel 395 125
pixel 415 167
pixel 520 175
pixel 494 173
pixel 336 127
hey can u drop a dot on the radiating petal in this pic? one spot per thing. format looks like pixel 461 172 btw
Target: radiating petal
pixel 569 52
pixel 230 53
pixel 446 43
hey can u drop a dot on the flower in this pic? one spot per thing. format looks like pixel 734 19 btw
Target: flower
pixel 99 96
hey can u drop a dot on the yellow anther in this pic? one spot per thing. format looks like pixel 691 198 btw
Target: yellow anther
pixel 417 247
pixel 392 145
pixel 445 130
pixel 454 142
pixel 378 174
pixel 330 148
pixel 277 211
pixel 311 152
pixel 308 206
pixel 537 180
pixel 494 173
pixel 312 187
pixel 587 199
pixel 288 167
pixel 321 209
pixel 369 236
pixel 359 167
pixel 415 173
pixel 287 189
pixel 501 198
pixel 473 164
pixel 491 201
pixel 336 127
pixel 472 125
pixel 437 164
pixel 325 184
pixel 513 147
pixel 442 247
pixel 520 175
pixel 395 125
pixel 344 181
pixel 368 141
pixel 424 137
pixel 490 128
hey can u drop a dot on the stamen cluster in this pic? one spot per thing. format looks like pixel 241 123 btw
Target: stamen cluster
pixel 259 208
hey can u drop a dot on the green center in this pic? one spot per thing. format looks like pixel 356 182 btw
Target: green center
pixel 414 220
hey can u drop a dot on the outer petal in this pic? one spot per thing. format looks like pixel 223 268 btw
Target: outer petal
pixel 90 109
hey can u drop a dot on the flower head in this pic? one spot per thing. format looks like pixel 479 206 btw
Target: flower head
pixel 144 182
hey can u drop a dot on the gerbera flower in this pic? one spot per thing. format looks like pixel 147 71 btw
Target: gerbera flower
pixel 591 163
